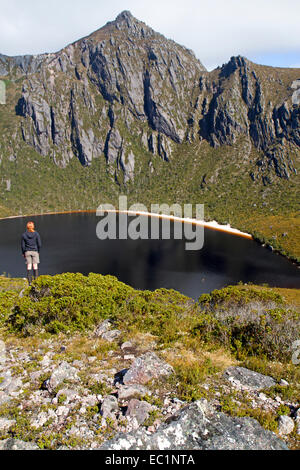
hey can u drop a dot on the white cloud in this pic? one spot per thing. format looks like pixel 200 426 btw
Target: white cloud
pixel 214 29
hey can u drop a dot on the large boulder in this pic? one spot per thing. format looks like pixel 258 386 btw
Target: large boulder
pixel 200 427
pixel 245 379
pixel 146 367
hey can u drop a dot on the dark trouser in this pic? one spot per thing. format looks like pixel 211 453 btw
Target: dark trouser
pixel 29 275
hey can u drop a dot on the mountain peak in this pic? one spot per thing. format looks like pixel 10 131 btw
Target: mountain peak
pixel 127 20
pixel 124 15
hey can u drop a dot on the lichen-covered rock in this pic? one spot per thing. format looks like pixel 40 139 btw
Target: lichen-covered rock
pixel 146 367
pixel 247 379
pixel 138 410
pixel 63 372
pixel 6 424
pixel 109 406
pixel 111 335
pixel 285 425
pixel 15 444
pixel 4 398
pixel 125 392
pixel 9 383
pixel 200 427
pixel 103 328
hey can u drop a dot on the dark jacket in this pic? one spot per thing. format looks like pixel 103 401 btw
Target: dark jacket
pixel 31 241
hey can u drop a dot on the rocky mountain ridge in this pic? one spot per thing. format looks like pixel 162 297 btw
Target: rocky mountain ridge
pixel 126 83
pixel 117 75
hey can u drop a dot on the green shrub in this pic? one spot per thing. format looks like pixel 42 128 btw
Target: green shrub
pixel 249 322
pixel 68 302
pixel 189 375
pixel 246 321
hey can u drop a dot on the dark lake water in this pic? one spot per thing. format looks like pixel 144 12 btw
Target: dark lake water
pixel 70 244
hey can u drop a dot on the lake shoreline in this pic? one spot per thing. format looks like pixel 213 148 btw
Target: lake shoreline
pixel 213 225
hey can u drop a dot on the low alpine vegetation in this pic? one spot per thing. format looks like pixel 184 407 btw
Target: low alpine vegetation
pixel 245 320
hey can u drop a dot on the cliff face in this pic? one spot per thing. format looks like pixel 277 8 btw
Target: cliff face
pixel 258 102
pixel 124 80
pixel 126 87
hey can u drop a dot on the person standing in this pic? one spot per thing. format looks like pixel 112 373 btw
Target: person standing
pixel 31 245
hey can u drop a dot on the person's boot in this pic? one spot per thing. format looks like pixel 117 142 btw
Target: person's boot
pixel 29 276
pixel 35 273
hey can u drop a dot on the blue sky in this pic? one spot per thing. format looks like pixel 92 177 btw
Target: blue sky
pixel 265 31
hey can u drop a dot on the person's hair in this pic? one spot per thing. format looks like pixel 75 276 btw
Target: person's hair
pixel 30 226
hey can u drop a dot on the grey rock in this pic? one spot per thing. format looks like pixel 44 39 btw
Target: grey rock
pixel 109 406
pixel 103 328
pixel 295 84
pixel 285 425
pixel 283 383
pixel 16 444
pixel 297 422
pixel 2 352
pixel 126 345
pixel 111 335
pixel 5 379
pixel 146 367
pixel 77 102
pixel 69 394
pixel 127 164
pixel 4 398
pixel 62 411
pixel 46 361
pixel 129 357
pixel 41 419
pixel 114 146
pixel 6 424
pixel 126 392
pixel 200 427
pixel 10 384
pixel 243 378
pixel 296 94
pixel 296 97
pixel 139 410
pixel 92 359
pixel 63 372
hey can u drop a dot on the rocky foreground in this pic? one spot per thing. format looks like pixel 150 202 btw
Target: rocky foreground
pixel 120 411
pixel 90 363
